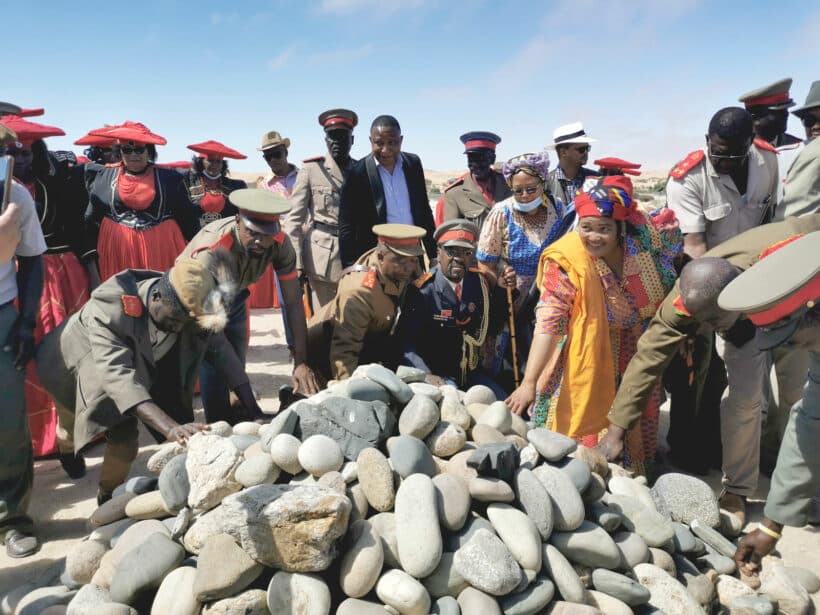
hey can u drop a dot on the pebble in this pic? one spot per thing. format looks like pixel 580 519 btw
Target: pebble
pixel 633 548
pixel 284 450
pixel 211 465
pixel 176 594
pixel 472 600
pixel 577 471
pixel 400 390
pixel 663 560
pixel 479 394
pixel 457 465
pixel 419 417
pixel 490 490
pixel 534 500
pixel 531 600
pixel 558 568
pixel 648 523
pixel 250 602
pixel 137 485
pixel 320 454
pixel 298 594
pixel 486 434
pixel 143 567
pixel 529 457
pixel 684 539
pixel 630 487
pixel 684 498
pixel 711 559
pixel 666 593
pixel 519 533
pixel 243 443
pixel 620 586
pixel 455 540
pixel 246 428
pixel 712 538
pixel 607 604
pixel 729 588
pixel 446 605
pixel 445 580
pixel 776 582
pixel 588 545
pixel 173 483
pixel 376 479
pixel 384 525
pixel 409 455
pixel 551 445
pixel 486 563
pixel 411 374
pixel 223 569
pixel 83 560
pixel 567 507
pixel 284 422
pixel 147 506
pixel 257 471
pixel 752 605
pixel 362 561
pixel 354 606
pixel 110 511
pixel 453 411
pixel 417 527
pixel 600 514
pixel 806 578
pixel 452 500
pixel 498 416
pixel 595 490
pixel 350 471
pixel 398 589
pixel 428 390
pixel 446 439
pixel 164 454
pixel 699 586
pixel 361 506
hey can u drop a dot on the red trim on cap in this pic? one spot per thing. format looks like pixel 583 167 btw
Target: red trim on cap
pixel 254 215
pixel 456 234
pixel 768 100
pixel 809 292
pixel 776 246
pixel 479 143
pixel 414 241
pixel 336 119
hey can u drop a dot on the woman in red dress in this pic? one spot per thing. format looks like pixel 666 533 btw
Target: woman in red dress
pixel 208 183
pixel 139 212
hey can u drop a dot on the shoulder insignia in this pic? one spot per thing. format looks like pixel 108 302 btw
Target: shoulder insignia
pixel 687 164
pixel 761 144
pixel 423 279
pixel 369 280
pixel 457 181
pixel 680 309
pixel 314 159
pixel 132 305
pixel 225 242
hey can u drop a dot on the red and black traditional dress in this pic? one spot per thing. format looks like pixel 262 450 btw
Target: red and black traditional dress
pixel 140 220
pixel 209 194
pixel 60 203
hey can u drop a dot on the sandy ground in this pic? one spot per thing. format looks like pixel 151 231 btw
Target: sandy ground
pixel 60 507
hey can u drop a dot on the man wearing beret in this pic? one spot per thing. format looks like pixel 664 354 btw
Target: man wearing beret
pixel 361 324
pixel 133 352
pixel 801 191
pixel 472 195
pixel 781 296
pixel 691 307
pixel 315 201
pixel 452 312
pixel 21 278
pixel 253 240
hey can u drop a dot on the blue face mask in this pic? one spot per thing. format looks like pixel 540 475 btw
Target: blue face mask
pixel 528 207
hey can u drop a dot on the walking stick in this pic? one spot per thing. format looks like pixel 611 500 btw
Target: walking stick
pixel 512 337
pixel 307 302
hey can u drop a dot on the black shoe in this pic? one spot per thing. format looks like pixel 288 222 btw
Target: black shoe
pixel 74 465
pixel 20 545
pixel 102 497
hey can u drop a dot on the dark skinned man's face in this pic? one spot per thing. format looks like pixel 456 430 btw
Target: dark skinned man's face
pixel 385 143
pixel 22 161
pixel 277 159
pixel 480 162
pixel 769 123
pixel 397 268
pixel 339 141
pixel 254 242
pixel 728 156
pixel 454 261
pixel 165 315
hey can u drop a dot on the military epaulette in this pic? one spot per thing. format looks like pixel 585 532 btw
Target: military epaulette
pixel 314 159
pixel 456 182
pixel 687 164
pixel 369 280
pixel 226 242
pixel 131 305
pixel 680 309
pixel 761 144
pixel 423 279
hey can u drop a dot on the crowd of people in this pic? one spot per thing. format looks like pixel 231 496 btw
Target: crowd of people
pixel 125 283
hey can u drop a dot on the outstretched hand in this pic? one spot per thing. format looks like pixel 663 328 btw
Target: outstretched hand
pixel 181 433
pixel 305 380
pixel 751 550
pixel 521 399
pixel 611 445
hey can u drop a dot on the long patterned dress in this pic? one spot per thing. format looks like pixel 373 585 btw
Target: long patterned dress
pixel 631 301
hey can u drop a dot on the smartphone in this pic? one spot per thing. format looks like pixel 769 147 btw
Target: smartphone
pixel 6 176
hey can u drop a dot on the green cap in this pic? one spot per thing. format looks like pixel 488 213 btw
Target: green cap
pixel 458 232
pixel 260 209
pixel 772 96
pixel 403 239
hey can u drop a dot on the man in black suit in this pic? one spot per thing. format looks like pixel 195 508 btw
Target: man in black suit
pixel 386 186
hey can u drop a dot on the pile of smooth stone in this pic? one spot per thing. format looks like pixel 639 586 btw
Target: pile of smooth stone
pixel 468 510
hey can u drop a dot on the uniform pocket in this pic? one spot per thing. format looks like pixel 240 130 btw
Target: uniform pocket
pixel 717 211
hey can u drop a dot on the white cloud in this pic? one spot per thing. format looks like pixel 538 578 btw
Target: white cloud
pixel 348 7
pixel 282 58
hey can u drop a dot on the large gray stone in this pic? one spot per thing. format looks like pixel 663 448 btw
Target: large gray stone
pixel 600 514
pixel 653 527
pixel 577 471
pixel 417 527
pixel 143 568
pixel 495 460
pixel 633 548
pixel 452 500
pixel 287 421
pixel 567 507
pixel 397 387
pixel 558 568
pixel 620 586
pixel 534 500
pixel 353 424
pixel 551 445
pixel 364 389
pixel 223 569
pixel 486 563
pixel 685 498
pixel 479 394
pixel 298 594
pixel 666 593
pixel 211 466
pixel 84 559
pixel 176 594
pixel 530 601
pixel 173 483
pixel 519 533
pixel 410 455
pixel 713 538
pixel 453 541
pixel 419 417
pixel 588 545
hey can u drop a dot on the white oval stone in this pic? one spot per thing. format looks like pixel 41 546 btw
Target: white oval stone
pixel 320 454
pixel 257 470
pixel 446 439
pixel 417 528
pixel 452 500
pixel 298 594
pixel 497 415
pixel 398 589
pixel 362 562
pixel 284 450
pixel 518 532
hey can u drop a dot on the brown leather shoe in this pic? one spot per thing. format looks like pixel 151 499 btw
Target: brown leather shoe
pixel 20 545
pixel 734 504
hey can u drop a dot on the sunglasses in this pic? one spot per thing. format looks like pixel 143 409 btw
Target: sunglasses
pixel 274 154
pixel 583 149
pixel 728 157
pixel 810 120
pixel 529 190
pixel 453 251
pixel 139 150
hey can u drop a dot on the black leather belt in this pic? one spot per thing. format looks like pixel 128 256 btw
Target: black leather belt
pixel 330 229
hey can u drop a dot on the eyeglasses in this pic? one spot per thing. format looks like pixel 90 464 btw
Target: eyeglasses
pixel 529 190
pixel 453 251
pixel 583 149
pixel 810 120
pixel 139 150
pixel 274 154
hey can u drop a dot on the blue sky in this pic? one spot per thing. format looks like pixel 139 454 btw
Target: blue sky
pixel 644 76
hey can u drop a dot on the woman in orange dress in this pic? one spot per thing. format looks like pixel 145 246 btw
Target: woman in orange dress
pixel 138 212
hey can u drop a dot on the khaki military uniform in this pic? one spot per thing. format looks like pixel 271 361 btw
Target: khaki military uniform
pixel 464 199
pixel 801 191
pixel 358 325
pixel 315 202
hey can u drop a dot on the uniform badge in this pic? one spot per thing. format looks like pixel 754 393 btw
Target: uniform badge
pixel 369 280
pixel 471 306
pixel 680 309
pixel 132 305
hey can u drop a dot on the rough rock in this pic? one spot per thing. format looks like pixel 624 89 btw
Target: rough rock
pixel 729 588
pixel 202 528
pixel 257 470
pixel 362 561
pixel 211 466
pixel 320 454
pixel 398 589
pixel 284 451
pixel 419 417
pixel 298 594
pixel 84 559
pixel 446 439
pixel 567 507
pixel 551 445
pixel 409 455
pixel 666 593
pixel 534 500
pixel 607 604
pixel 495 460
pixel 223 569
pixel 250 602
pixel 685 498
pixel 176 594
pixel 588 545
pixel 164 454
pixel 417 527
pixel 486 563
pixel 334 482
pixel 776 582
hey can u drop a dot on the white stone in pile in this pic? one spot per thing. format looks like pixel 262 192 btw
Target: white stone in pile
pixel 246 428
pixel 445 580
pixel 487 564
pixel 362 562
pixel 666 594
pixel 563 575
pixel 320 454
pixel 620 485
pixel 518 532
pixel 452 499
pixel 176 594
pixel 419 417
pixel 453 411
pixel 284 450
pixel 552 445
pixel 384 524
pixel 497 415
pixel 257 470
pixel 398 589
pixel 446 439
pixel 567 506
pixel 211 465
pixel 417 527
pixel 479 394
pixel 295 593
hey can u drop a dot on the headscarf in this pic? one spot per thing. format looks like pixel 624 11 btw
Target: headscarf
pixel 535 165
pixel 611 197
